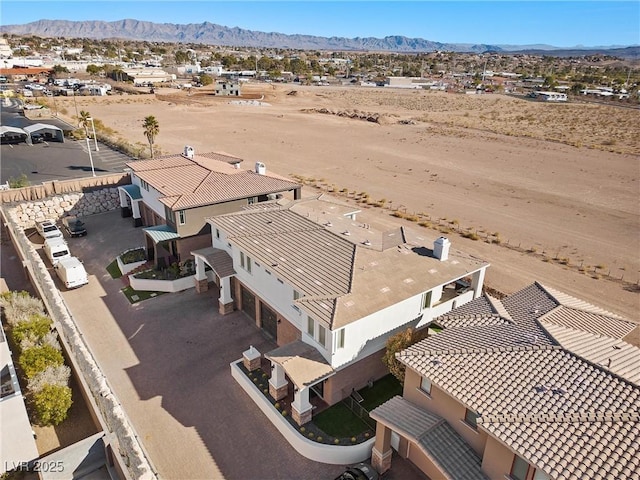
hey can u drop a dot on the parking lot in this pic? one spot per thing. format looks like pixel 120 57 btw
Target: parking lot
pixel 48 161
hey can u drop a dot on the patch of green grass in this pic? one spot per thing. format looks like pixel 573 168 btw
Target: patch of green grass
pixel 381 391
pixel 113 269
pixel 339 421
pixel 135 296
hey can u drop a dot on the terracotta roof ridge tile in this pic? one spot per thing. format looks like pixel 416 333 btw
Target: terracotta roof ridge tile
pixel 571 417
pixel 415 352
pixel 499 308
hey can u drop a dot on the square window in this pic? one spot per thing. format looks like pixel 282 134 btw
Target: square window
pixel 426 300
pixel 296 295
pixel 311 327
pixel 425 385
pixel 322 335
pixel 519 469
pixel 471 418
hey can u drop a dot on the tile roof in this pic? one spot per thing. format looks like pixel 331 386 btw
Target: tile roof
pixel 206 179
pixel 615 355
pixel 303 364
pixel 341 279
pixel 572 450
pixel 219 260
pixel 587 321
pixel 433 435
pixel 556 401
pixel 479 311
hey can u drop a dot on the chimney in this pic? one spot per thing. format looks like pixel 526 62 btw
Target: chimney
pixel 441 248
pixel 189 152
pixel 261 168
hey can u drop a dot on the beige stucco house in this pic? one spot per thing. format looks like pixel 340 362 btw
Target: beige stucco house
pixel 537 385
pixel 173 195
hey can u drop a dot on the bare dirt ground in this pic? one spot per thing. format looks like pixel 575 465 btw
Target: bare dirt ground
pixel 550 191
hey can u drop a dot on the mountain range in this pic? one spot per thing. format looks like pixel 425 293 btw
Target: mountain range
pixel 213 34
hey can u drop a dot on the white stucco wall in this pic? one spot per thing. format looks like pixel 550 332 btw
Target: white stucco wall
pixel 150 198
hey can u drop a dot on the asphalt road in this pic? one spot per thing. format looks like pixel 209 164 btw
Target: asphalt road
pixel 48 161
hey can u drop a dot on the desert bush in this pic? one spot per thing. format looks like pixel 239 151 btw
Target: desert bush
pixel 52 404
pixel 19 306
pixel 52 375
pixel 34 329
pixel 36 359
pixel 398 342
pixel 471 235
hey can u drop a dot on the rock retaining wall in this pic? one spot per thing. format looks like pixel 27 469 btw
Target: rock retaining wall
pixel 27 214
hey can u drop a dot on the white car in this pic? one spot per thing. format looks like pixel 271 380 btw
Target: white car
pixel 48 229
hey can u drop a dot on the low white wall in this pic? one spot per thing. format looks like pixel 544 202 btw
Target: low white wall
pixel 125 268
pixel 170 286
pixel 331 454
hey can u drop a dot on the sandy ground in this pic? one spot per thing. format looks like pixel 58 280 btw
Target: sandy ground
pixel 558 184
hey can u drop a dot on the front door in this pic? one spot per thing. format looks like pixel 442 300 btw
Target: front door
pixel 269 320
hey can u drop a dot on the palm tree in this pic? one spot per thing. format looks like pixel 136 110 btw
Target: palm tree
pixel 151 129
pixel 83 121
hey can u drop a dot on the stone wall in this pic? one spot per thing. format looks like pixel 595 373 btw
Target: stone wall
pixel 81 204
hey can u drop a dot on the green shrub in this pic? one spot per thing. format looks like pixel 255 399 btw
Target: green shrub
pixel 36 359
pixel 35 328
pixel 134 255
pixel 52 404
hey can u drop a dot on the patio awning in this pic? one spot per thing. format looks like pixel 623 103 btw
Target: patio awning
pixel 303 364
pixel 161 233
pixel 219 260
pixel 132 190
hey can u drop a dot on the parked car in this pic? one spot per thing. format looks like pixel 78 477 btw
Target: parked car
pixel 48 229
pixel 56 249
pixel 74 226
pixel 361 471
pixel 37 138
pixel 71 272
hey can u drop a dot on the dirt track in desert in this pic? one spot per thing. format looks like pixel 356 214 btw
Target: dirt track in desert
pixel 550 191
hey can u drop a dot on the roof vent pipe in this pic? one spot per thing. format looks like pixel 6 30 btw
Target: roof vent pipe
pixel 441 248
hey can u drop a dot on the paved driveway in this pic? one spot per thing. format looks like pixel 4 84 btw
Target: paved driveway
pixel 167 358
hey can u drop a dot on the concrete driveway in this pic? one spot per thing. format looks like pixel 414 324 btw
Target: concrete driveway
pixel 167 358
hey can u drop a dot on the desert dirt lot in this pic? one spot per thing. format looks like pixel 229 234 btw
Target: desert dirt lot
pixel 550 191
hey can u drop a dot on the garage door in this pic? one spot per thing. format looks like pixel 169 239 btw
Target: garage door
pixel 269 320
pixel 249 303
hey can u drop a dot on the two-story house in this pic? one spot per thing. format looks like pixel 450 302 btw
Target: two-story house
pixel 535 386
pixel 173 195
pixel 330 285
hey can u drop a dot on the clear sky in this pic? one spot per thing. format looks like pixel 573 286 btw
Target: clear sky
pixel 562 24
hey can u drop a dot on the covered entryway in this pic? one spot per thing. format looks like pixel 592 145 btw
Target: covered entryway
pixel 161 245
pixel 222 265
pixel 305 366
pixel 130 198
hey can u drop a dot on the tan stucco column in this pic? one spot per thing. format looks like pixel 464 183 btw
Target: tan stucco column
pixel 381 452
pixel 277 383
